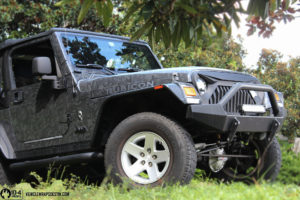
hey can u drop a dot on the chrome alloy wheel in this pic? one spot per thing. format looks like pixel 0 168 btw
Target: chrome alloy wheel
pixel 145 157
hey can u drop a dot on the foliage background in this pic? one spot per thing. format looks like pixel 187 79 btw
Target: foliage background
pixel 21 19
pixel 284 77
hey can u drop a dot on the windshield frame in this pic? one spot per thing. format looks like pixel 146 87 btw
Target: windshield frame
pixel 100 36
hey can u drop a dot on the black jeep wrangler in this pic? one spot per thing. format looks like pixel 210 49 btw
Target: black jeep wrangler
pixel 74 97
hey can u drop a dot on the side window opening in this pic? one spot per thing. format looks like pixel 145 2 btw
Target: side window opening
pixel 22 62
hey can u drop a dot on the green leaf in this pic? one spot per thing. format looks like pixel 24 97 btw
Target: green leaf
pixel 187 8
pixel 134 8
pixel 262 8
pixel 151 38
pixel 172 23
pixel 144 29
pixel 258 8
pixel 287 4
pixel 107 12
pixel 251 7
pixel 166 33
pixel 186 32
pixel 176 36
pixel 226 20
pixel 158 33
pixel 217 27
pixel 146 12
pixel 99 8
pixel 60 3
pixel 273 5
pixel 236 19
pixel 84 9
pixel 192 31
pixel 199 32
pixel 205 25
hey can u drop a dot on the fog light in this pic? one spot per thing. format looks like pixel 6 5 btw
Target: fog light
pixel 248 108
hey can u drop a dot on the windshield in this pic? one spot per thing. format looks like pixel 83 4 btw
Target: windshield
pixel 89 56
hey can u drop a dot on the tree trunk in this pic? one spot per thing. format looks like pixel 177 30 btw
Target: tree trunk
pixel 296 147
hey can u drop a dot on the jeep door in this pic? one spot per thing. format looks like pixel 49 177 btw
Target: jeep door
pixel 38 111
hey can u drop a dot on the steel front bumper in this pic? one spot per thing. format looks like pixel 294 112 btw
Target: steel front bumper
pixel 215 116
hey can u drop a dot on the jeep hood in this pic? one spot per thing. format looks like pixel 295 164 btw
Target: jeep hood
pixel 216 73
pixel 127 82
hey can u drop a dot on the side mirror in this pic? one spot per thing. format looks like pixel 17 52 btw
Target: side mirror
pixel 41 65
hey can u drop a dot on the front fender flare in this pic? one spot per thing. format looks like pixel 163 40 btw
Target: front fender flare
pixel 177 90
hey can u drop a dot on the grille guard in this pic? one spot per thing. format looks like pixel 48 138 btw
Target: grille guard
pixel 264 88
pixel 215 116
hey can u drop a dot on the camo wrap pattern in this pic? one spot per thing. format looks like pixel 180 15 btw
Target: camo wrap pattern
pixel 50 122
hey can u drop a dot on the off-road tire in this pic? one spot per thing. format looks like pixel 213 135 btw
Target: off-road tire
pixel 272 160
pixel 267 170
pixel 183 157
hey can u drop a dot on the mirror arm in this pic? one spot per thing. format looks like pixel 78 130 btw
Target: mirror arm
pixel 57 83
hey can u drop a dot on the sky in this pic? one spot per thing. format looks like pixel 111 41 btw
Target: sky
pixel 285 39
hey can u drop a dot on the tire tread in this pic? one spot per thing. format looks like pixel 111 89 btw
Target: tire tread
pixel 190 160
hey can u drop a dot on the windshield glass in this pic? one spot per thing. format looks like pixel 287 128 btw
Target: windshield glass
pixel 89 55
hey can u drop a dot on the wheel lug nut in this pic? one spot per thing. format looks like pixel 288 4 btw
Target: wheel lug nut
pixel 150 164
pixel 149 150
pixel 142 154
pixel 143 162
pixel 154 157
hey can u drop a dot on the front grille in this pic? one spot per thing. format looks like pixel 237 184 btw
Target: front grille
pixel 218 94
pixel 233 105
pixel 240 98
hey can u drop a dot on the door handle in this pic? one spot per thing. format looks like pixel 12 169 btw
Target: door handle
pixel 18 97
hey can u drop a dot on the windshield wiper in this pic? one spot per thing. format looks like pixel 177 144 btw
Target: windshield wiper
pixel 95 66
pixel 126 69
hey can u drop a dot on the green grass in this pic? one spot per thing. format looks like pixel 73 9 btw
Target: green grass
pixel 286 187
pixel 290 169
pixel 197 189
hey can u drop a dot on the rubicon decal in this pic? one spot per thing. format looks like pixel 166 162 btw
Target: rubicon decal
pixel 134 86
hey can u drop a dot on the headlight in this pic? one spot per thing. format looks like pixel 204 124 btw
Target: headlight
pixel 253 94
pixel 258 96
pixel 201 85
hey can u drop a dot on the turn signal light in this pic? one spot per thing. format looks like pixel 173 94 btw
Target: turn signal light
pixel 158 87
pixel 189 91
pixel 277 97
